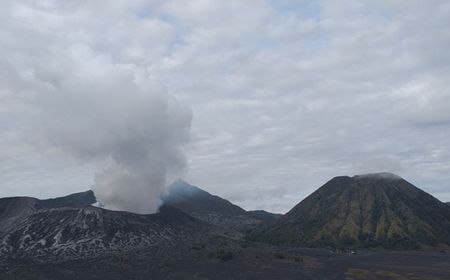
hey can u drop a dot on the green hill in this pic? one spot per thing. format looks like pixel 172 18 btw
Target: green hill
pixel 374 210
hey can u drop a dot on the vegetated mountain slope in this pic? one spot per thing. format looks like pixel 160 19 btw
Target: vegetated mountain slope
pixel 209 208
pixel 30 231
pixel 264 215
pixel 374 210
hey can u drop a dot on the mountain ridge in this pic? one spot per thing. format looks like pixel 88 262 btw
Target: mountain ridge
pixel 212 208
pixel 193 199
pixel 69 227
pixel 71 233
pixel 80 199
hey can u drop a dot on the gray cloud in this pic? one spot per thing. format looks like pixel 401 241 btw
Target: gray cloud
pixel 286 94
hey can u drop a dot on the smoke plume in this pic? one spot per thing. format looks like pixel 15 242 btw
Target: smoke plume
pixel 118 118
pixel 70 81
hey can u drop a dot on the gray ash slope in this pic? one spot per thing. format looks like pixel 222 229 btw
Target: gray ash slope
pixel 374 210
pixel 70 228
pixel 30 229
pixel 82 199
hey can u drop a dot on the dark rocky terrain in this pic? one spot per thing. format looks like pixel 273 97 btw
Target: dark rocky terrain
pixel 374 210
pixel 77 200
pixel 29 230
pixel 197 235
pixel 219 259
pixel 67 228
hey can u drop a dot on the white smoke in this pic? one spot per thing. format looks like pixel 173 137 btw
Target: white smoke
pixel 109 115
pixel 64 86
pixel 120 117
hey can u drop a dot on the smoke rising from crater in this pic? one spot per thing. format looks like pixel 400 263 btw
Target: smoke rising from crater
pixel 70 83
pixel 118 118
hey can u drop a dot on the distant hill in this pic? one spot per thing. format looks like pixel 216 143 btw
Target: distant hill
pixel 374 210
pixel 192 199
pixel 212 209
pixel 264 215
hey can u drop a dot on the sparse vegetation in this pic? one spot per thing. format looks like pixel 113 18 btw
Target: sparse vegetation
pixel 362 212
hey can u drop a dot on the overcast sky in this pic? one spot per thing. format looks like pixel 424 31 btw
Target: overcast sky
pixel 284 94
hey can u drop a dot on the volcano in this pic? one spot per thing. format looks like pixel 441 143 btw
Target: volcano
pixel 373 210
pixel 65 228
